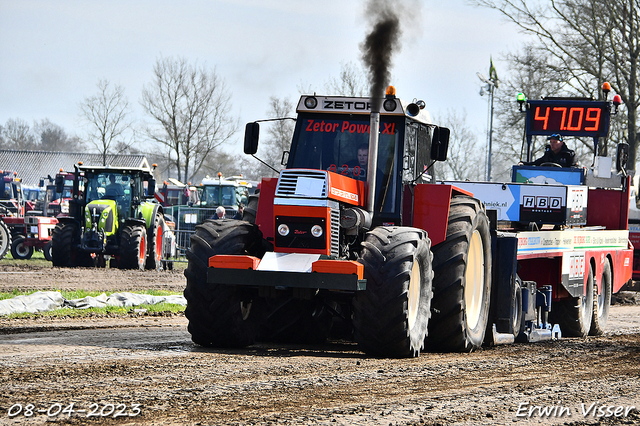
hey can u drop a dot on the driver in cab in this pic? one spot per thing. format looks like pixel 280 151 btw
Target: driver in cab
pixel 113 189
pixel 557 153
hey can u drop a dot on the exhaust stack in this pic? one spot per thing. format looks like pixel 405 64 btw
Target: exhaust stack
pixel 372 162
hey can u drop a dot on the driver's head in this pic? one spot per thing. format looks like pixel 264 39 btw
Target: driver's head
pixel 112 178
pixel 555 141
pixel 363 155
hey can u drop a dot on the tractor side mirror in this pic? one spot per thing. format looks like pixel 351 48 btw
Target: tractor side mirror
pixel 59 184
pixel 151 188
pixel 622 156
pixel 251 134
pixel 440 143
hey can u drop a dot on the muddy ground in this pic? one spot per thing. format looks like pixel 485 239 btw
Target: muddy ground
pixel 145 370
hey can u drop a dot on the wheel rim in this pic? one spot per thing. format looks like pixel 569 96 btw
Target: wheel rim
pixel 143 249
pixel 474 280
pixel 158 244
pixel 414 294
pixel 22 250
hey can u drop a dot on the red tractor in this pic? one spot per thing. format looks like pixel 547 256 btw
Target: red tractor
pixel 356 234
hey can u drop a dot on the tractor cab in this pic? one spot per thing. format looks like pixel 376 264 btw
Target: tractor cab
pixel 332 135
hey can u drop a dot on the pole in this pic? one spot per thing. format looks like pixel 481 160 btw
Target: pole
pixel 492 85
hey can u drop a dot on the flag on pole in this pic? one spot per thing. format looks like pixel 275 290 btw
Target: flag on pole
pixel 493 75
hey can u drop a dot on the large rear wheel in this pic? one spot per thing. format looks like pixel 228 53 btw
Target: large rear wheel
pixel 221 315
pixel 462 279
pixel 574 315
pixel 155 238
pixel 133 247
pixel 391 316
pixel 5 239
pixel 601 301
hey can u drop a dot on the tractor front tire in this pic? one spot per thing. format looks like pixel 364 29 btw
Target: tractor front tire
pixel 155 237
pixel 64 249
pixel 5 239
pixel 19 250
pixel 133 247
pixel 221 315
pixel 391 317
pixel 462 280
pixel 574 315
pixel 46 250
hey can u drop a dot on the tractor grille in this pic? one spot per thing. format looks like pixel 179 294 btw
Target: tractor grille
pixel 302 183
pixel 335 231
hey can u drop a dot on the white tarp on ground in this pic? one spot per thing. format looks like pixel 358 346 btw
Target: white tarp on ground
pixel 42 301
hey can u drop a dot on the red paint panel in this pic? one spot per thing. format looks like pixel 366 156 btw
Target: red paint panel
pixel 305 211
pixel 338 267
pixel 608 208
pixel 227 261
pixel 431 210
pixel 346 189
pixel 264 218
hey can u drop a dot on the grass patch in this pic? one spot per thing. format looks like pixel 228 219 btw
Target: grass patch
pixel 108 311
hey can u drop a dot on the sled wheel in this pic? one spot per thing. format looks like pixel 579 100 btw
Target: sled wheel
pixel 155 238
pixel 574 314
pixel 5 239
pixel 133 247
pixel 601 302
pixel 221 315
pixel 462 279
pixel 390 318
pixel 19 250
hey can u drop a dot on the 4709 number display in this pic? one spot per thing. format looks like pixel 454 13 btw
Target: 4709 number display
pixel 569 118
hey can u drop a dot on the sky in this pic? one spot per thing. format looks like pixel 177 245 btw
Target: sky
pixel 54 52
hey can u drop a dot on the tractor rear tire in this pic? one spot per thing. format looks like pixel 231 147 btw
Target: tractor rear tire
pixel 5 239
pixel 250 212
pixel 221 315
pixel 155 237
pixel 601 302
pixel 391 317
pixel 64 247
pixel 574 315
pixel 133 247
pixel 462 280
pixel 19 250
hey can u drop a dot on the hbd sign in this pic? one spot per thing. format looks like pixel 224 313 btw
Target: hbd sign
pixel 541 202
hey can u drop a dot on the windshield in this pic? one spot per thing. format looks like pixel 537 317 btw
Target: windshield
pixel 110 186
pixel 341 145
pixel 215 196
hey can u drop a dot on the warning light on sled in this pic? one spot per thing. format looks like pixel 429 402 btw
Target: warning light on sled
pixel 521 98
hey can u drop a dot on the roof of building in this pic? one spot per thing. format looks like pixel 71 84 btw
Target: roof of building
pixel 31 166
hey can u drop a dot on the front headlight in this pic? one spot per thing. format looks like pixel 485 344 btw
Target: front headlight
pixel 283 230
pixel 64 206
pixel 316 231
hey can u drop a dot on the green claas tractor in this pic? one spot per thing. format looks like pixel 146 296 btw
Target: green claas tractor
pixel 113 217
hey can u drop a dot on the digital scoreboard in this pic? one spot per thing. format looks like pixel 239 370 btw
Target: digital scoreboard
pixel 568 117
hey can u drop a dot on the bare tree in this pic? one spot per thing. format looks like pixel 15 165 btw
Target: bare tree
pixel 465 159
pixel 588 42
pixel 351 82
pixel 54 138
pixel 107 117
pixel 16 134
pixel 191 109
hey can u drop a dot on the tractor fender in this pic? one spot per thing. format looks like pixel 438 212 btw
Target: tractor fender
pixel 149 211
pixel 68 219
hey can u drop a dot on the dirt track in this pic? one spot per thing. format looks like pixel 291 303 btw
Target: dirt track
pixel 148 369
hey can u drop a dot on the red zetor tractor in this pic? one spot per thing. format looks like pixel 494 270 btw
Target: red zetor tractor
pixel 355 236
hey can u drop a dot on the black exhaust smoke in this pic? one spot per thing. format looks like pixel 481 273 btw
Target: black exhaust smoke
pixel 379 46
